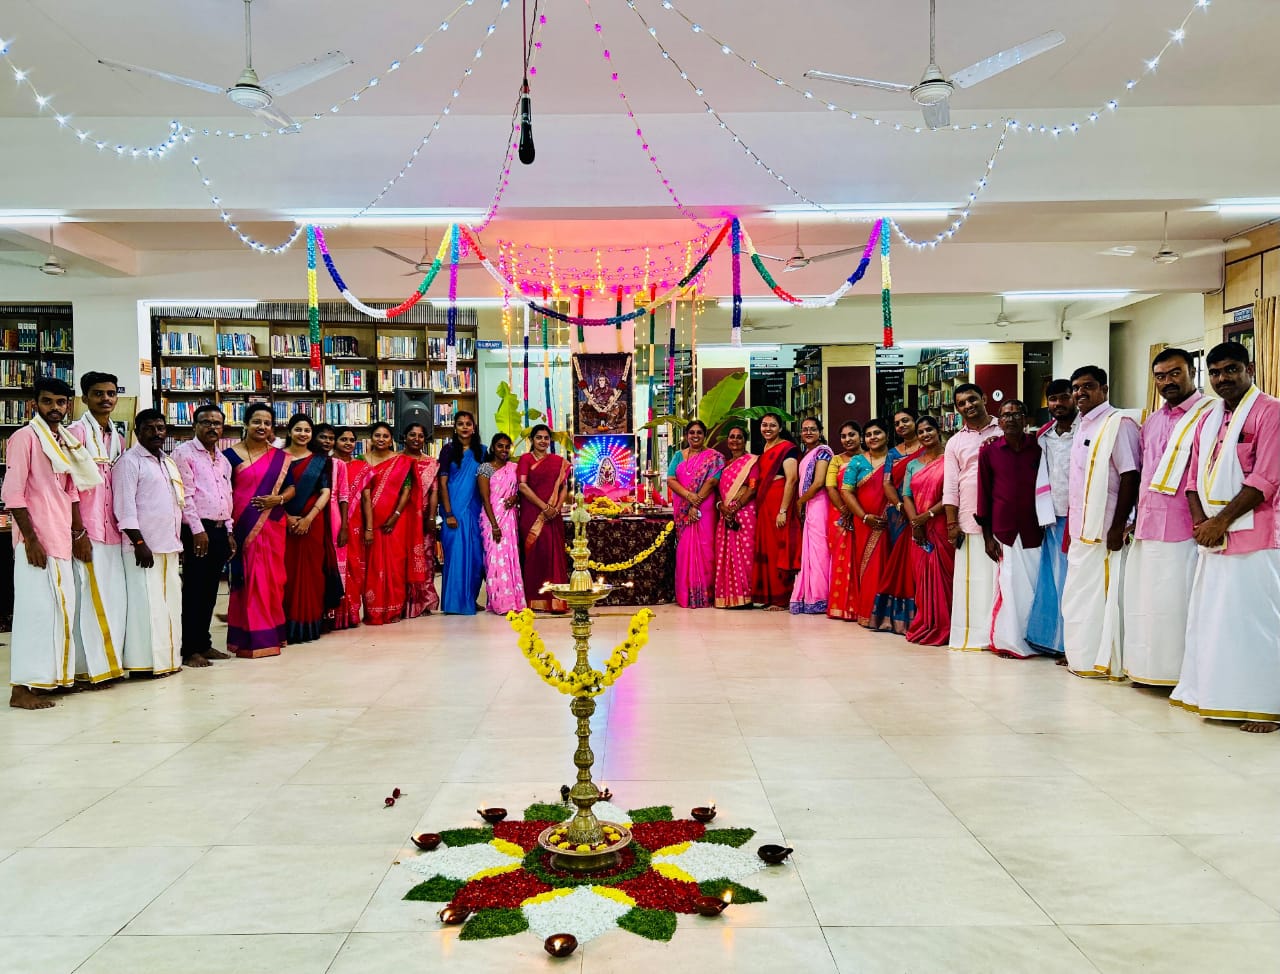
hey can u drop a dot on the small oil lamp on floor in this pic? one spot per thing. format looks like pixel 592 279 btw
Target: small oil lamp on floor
pixel 560 944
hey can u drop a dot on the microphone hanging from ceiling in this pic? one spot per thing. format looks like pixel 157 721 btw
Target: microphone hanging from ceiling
pixel 526 149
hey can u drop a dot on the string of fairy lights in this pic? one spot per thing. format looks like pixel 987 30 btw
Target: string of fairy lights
pixel 180 133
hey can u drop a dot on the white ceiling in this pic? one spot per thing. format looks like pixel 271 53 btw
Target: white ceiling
pixel 1204 127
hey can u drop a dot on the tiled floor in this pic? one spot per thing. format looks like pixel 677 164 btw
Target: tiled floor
pixel 951 812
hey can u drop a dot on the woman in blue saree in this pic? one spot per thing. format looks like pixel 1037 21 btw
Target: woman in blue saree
pixel 460 506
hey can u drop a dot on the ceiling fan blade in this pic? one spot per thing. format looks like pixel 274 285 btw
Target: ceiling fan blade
pixel 176 79
pixel 276 117
pixel 795 265
pixel 846 79
pixel 1222 248
pixel 1010 58
pixel 937 115
pixel 306 73
pixel 392 253
pixel 1126 250
pixel 780 260
pixel 830 254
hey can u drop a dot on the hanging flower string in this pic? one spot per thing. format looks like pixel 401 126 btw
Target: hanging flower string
pixel 379 313
pixel 313 301
pixel 736 249
pixel 592 683
pixel 451 336
pixel 878 232
pixel 886 288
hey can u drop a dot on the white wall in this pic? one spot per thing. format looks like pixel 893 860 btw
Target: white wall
pixel 1089 344
pixel 1171 319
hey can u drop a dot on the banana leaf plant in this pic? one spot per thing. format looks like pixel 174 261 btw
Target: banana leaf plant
pixel 717 412
pixel 512 420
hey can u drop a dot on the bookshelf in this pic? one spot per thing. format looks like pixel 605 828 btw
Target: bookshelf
pixel 938 373
pixel 806 387
pixel 237 356
pixel 34 340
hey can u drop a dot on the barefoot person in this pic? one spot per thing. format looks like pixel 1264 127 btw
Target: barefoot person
pixel 1162 562
pixel 1011 532
pixel 1104 487
pixel 1232 666
pixel 148 497
pixel 100 598
pixel 974 582
pixel 207 542
pixel 46 471
pixel 1053 501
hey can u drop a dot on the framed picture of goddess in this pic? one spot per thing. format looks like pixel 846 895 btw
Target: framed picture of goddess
pixel 602 394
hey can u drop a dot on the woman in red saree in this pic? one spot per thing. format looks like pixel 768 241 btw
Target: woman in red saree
pixel 544 490
pixel 864 496
pixel 379 562
pixel 895 604
pixel 933 557
pixel 777 554
pixel 312 584
pixel 736 526
pixel 422 598
pixel 255 610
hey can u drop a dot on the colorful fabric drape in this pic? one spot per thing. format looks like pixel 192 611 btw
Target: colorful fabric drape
pixel 542 540
pixel 777 549
pixel 255 610
pixel 421 594
pixel 736 534
pixel 463 550
pixel 503 581
pixel 933 563
pixel 813 584
pixel 696 531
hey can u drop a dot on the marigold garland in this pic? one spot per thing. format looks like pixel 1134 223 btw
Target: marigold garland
pixel 593 682
pixel 622 566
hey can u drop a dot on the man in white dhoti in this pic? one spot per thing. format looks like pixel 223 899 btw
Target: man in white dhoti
pixel 1162 561
pixel 148 496
pixel 974 584
pixel 1053 501
pixel 46 471
pixel 1011 532
pixel 1231 670
pixel 1104 486
pixel 100 598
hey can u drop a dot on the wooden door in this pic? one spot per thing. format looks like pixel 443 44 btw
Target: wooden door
pixel 999 382
pixel 848 396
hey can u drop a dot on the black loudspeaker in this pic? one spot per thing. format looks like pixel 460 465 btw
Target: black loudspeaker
pixel 414 406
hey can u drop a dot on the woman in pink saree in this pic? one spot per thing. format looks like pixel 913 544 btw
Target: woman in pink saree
pixel 692 482
pixel 813 583
pixel 343 446
pixel 255 611
pixel 933 558
pixel 421 597
pixel 736 526
pixel 500 528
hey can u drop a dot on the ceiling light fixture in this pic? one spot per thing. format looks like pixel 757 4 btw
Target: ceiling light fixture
pixel 864 211
pixel 1248 207
pixel 344 218
pixel 29 219
pixel 1064 295
pixel 200 303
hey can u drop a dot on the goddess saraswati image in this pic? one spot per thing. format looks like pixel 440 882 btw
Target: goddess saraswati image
pixel 604 393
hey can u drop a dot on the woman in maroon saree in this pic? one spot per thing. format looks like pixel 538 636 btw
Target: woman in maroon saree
pixel 544 490
pixel 312 584
pixel 777 554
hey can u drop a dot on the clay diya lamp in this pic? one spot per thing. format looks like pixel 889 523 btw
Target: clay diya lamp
pixel 703 813
pixel 560 944
pixel 427 841
pixel 453 915
pixel 492 815
pixel 710 906
pixel 774 854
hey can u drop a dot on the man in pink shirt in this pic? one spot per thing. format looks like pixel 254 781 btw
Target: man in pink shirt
pixel 1231 670
pixel 40 491
pixel 973 589
pixel 1162 561
pixel 148 498
pixel 100 599
pixel 1103 489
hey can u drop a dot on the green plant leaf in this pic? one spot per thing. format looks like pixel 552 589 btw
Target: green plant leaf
pixel 731 837
pixel 546 812
pixel 470 836
pixel 651 813
pixel 741 894
pixel 650 924
pixel 486 924
pixel 755 412
pixel 717 401
pixel 437 889
pixel 660 421
pixel 507 418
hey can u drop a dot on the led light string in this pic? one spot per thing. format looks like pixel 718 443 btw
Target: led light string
pixel 640 136
pixel 1176 36
pixel 230 223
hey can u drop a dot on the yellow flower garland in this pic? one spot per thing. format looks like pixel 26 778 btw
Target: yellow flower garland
pixel 593 682
pixel 622 566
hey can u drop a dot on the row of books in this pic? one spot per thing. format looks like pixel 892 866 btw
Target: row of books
pixel 464 380
pixel 436 347
pixel 56 340
pixel 346 380
pixel 14 411
pixel 17 373
pixel 290 346
pixel 399 346
pixel 20 338
pixel 341 345
pixel 237 343
pixel 181 343
pixel 186 378
pixel 57 370
pixel 351 412
pixel 291 380
pixel 242 380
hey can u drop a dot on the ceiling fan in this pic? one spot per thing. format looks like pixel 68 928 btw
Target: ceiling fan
pixel 423 263
pixel 1001 320
pixel 1166 255
pixel 51 266
pixel 798 260
pixel 249 92
pixel 933 91
pixel 750 324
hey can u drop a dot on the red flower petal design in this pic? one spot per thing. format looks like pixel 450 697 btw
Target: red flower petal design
pixel 507 890
pixel 658 835
pixel 523 834
pixel 655 892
